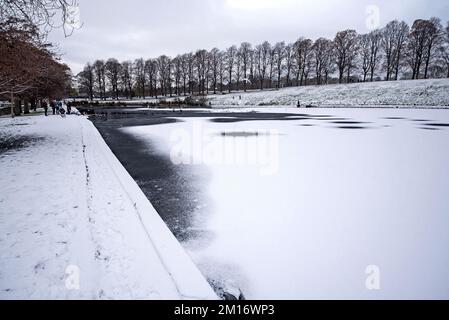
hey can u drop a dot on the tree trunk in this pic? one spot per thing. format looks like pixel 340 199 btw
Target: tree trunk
pixel 26 106
pixel 17 107
pixel 12 104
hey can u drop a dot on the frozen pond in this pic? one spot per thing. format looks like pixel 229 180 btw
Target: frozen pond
pixel 322 203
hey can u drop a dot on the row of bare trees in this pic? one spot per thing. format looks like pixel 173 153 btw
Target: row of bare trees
pixel 394 52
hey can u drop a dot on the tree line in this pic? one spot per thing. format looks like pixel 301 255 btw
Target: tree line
pixel 30 69
pixel 394 52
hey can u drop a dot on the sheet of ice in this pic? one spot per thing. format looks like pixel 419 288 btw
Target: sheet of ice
pixel 74 225
pixel 341 202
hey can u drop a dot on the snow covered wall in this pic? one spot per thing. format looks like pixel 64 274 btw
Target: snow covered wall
pixel 408 93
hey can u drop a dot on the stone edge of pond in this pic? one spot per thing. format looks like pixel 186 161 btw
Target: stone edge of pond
pixel 189 281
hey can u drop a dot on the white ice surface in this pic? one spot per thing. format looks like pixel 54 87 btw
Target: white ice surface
pixel 342 200
pixel 66 201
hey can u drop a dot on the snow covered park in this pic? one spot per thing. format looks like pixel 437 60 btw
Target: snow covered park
pixel 310 206
pixel 406 93
pixel 75 225
pixel 291 204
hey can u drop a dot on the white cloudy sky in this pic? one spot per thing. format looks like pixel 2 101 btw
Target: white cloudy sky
pixel 148 28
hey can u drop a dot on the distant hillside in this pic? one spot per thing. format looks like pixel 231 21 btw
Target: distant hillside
pixel 426 93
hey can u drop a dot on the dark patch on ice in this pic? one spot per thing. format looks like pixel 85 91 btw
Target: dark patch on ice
pixel 430 128
pixel 307 125
pixel 243 119
pixel 438 125
pixel 349 122
pixel 320 116
pixel 352 127
pixel 394 118
pixel 328 119
pixel 243 134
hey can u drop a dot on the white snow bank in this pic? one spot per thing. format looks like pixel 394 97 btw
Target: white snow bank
pixel 74 224
pixel 422 93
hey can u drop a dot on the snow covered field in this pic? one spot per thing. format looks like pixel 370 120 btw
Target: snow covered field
pixel 419 93
pixel 311 206
pixel 74 225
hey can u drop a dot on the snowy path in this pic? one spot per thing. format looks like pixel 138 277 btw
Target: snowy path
pixel 69 211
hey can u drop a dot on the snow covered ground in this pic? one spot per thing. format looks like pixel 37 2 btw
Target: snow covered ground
pixel 340 203
pixel 418 93
pixel 74 225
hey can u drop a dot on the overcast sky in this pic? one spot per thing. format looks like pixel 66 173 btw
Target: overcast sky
pixel 149 28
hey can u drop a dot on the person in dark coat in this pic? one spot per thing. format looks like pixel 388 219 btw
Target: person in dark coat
pixel 53 106
pixel 45 106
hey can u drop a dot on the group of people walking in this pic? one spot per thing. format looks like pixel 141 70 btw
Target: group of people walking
pixel 57 107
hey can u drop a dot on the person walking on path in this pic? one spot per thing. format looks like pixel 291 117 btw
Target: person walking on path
pixel 53 106
pixel 45 106
pixel 58 107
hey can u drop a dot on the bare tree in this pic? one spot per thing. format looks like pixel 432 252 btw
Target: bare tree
pixel 43 13
pixel 184 73
pixel 190 60
pixel 200 63
pixel 365 54
pixel 271 64
pixel 177 72
pixel 151 76
pixel 289 50
pixel 279 50
pixel 100 77
pixel 169 74
pixel 19 46
pixel 113 68
pixel 400 44
pixel 345 46
pixel 443 53
pixel 329 66
pixel 303 49
pixel 140 76
pixel 261 61
pixel 444 49
pixel 319 53
pixel 163 64
pixel 86 80
pixel 369 46
pixel 415 47
pixel 215 63
pixel 434 37
pixel 245 51
pixel 230 61
pixel 126 78
pixel 238 69
pixel 375 38
pixel 308 66
pixel 393 41
pixel 221 69
pixel 208 71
